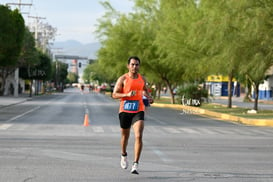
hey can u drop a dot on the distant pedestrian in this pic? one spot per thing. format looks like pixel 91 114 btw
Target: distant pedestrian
pixel 165 90
pixel 82 88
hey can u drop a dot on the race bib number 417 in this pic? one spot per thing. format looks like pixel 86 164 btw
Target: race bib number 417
pixel 131 105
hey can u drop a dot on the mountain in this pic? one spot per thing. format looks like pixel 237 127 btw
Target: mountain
pixel 73 47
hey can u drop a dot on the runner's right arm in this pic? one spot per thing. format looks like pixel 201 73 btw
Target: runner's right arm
pixel 118 88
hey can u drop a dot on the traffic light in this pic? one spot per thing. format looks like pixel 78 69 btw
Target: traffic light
pixel 80 65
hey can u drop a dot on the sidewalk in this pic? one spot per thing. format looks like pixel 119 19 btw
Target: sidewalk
pixel 10 100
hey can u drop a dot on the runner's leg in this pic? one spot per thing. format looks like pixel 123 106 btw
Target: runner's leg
pixel 125 133
pixel 138 127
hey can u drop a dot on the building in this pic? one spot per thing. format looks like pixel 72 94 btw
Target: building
pixel 217 85
pixel 265 89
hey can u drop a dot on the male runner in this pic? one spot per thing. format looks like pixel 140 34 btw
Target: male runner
pixel 130 88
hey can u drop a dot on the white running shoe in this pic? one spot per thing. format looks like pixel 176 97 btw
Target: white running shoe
pixel 124 162
pixel 134 168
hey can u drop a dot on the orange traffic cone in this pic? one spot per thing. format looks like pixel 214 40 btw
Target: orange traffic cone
pixel 86 123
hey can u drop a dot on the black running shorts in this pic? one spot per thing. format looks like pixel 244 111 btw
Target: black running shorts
pixel 126 119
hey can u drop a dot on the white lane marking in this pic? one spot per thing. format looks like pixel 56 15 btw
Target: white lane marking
pixel 5 126
pixel 206 131
pixel 161 155
pixel 21 115
pixel 155 120
pixel 152 129
pixel 188 130
pixel 97 129
pixel 115 129
pixel 172 130
pixel 20 127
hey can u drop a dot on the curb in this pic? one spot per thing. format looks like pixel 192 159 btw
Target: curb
pixel 226 117
pixel 14 102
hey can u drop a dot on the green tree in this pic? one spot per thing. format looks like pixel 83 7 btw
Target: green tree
pixel 182 41
pixel 239 36
pixel 44 68
pixel 59 74
pixel 88 73
pixel 258 54
pixel 129 35
pixel 116 35
pixel 12 29
pixel 178 58
pixel 72 77
pixel 222 23
pixel 29 57
pixel 41 70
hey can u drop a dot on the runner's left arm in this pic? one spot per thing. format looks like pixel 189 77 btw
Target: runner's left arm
pixel 146 92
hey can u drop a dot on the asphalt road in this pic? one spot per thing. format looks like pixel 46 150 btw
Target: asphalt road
pixel 44 140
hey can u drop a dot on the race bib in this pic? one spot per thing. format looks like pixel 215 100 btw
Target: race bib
pixel 131 105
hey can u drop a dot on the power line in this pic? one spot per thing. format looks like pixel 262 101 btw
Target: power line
pixel 19 4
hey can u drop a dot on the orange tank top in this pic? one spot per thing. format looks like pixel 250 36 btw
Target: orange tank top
pixel 135 103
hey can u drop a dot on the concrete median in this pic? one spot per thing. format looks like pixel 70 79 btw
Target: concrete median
pixel 218 115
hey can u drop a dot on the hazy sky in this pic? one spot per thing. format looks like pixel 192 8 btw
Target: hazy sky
pixel 74 19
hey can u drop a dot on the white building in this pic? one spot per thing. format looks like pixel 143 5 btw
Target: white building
pixel 265 89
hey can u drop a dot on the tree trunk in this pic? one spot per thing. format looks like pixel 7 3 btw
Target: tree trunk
pixel 172 97
pixel 30 88
pixel 172 94
pixel 36 87
pixel 230 90
pixel 2 86
pixel 5 72
pixel 248 91
pixel 256 97
pixel 171 91
pixel 159 91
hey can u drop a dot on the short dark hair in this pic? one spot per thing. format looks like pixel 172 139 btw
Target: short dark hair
pixel 133 57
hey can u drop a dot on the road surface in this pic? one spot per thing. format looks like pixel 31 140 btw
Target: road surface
pixel 44 140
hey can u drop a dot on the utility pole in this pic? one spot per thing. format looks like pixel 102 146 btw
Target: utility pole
pixel 19 4
pixel 37 18
pixel 16 72
pixel 56 82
